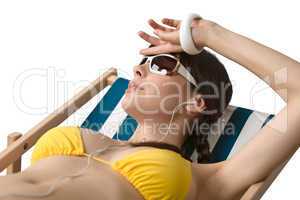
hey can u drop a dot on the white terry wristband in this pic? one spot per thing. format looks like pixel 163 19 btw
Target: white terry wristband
pixel 185 35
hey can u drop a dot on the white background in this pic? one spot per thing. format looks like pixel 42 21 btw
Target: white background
pixel 51 49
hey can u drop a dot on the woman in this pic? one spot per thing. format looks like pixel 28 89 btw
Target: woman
pixel 152 164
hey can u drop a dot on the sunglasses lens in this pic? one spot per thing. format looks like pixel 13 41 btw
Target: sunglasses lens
pixel 160 63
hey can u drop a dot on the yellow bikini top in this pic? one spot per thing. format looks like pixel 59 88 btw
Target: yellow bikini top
pixel 155 173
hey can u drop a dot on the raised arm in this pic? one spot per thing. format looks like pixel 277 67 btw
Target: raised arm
pixel 278 70
pixel 280 137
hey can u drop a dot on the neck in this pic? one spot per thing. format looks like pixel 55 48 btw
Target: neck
pixel 157 132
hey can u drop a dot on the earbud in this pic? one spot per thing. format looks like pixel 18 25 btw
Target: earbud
pixel 164 71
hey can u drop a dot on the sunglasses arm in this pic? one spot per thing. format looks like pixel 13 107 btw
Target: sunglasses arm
pixel 185 73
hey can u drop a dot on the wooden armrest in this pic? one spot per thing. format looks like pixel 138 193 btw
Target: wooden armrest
pixel 15 166
pixel 15 150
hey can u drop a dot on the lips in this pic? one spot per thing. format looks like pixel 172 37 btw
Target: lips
pixel 132 86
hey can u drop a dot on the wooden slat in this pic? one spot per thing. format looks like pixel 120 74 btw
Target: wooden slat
pixel 15 150
pixel 111 79
pixel 15 166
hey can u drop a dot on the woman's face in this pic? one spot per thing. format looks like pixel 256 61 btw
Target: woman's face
pixel 154 96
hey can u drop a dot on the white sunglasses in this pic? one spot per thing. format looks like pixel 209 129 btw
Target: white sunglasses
pixel 165 64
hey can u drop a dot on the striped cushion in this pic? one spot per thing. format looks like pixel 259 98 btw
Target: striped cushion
pixel 233 130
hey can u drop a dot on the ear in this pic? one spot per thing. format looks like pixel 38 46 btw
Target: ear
pixel 197 107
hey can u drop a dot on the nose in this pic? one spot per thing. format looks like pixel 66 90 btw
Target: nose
pixel 139 71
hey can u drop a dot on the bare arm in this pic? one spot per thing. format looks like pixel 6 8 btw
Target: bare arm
pixel 280 137
pixel 279 71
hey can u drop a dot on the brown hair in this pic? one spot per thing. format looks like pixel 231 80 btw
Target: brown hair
pixel 205 67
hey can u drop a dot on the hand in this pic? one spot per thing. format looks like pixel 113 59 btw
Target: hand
pixel 167 40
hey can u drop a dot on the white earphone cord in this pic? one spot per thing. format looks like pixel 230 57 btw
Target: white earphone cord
pixel 84 169
pixel 173 114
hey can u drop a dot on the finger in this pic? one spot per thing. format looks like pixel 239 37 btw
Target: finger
pixel 171 22
pixel 172 37
pixel 155 25
pixel 161 49
pixel 165 48
pixel 148 38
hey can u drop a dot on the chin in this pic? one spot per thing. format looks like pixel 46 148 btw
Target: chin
pixel 129 106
